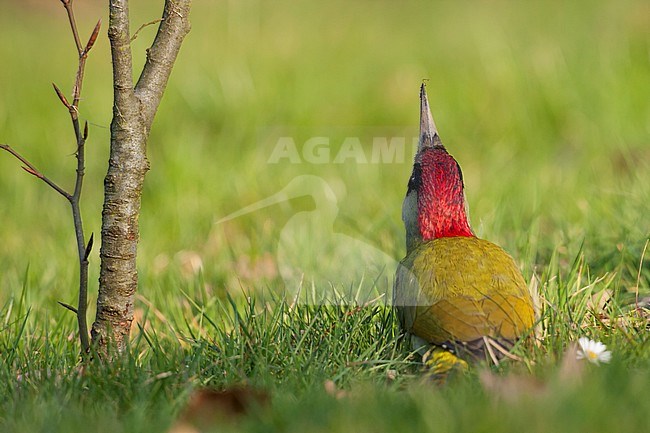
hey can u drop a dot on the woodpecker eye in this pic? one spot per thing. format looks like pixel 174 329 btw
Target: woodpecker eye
pixel 416 178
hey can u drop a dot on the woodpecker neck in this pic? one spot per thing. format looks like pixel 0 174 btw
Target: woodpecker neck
pixel 441 205
pixel 435 205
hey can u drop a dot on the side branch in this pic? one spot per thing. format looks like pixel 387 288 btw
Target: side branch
pixel 161 56
pixel 67 4
pixel 29 168
pixel 83 55
pixel 150 23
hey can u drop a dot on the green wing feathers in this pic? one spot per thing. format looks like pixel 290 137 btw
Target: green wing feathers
pixel 461 289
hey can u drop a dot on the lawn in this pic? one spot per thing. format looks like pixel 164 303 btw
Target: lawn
pixel 545 106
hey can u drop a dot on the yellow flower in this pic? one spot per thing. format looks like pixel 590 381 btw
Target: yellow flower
pixel 593 351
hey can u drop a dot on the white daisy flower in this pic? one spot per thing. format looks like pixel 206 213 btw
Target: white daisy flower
pixel 593 351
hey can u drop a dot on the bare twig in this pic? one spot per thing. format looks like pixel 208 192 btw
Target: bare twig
pixel 67 4
pixel 89 247
pixel 83 249
pixel 68 307
pixel 150 23
pixel 29 168
pixel 638 276
pixel 83 54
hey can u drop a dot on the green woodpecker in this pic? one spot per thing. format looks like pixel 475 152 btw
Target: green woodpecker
pixel 462 295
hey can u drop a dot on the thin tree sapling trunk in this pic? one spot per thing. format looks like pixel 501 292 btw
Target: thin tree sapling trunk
pixel 134 108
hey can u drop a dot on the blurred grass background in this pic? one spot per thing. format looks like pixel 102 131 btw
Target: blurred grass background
pixel 545 105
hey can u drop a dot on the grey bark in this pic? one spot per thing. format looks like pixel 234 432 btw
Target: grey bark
pixel 134 108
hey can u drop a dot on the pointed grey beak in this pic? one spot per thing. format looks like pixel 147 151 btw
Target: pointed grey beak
pixel 428 131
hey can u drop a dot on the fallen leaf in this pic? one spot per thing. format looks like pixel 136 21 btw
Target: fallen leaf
pixel 598 301
pixel 571 369
pixel 263 267
pixel 512 387
pixel 331 389
pixel 190 263
pixel 208 407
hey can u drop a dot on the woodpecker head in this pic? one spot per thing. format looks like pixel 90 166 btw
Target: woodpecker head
pixel 435 204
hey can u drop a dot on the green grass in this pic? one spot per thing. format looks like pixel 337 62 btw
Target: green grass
pixel 544 106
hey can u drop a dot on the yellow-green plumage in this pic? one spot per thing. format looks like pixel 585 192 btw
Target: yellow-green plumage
pixel 460 289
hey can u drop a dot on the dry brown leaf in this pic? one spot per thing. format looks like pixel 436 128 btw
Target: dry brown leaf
pixel 263 267
pixel 512 387
pixel 331 389
pixel 207 407
pixel 139 319
pixel 190 262
pixel 571 369
pixel 598 301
